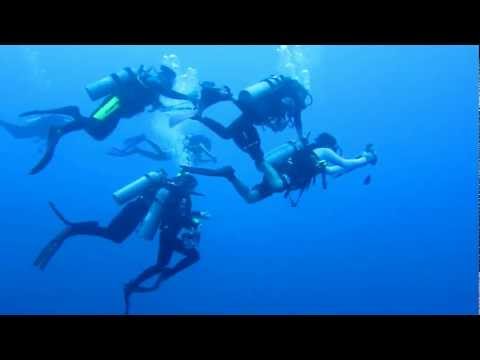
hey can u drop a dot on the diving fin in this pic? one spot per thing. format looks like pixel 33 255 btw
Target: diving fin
pixel 211 95
pixel 71 111
pixel 51 249
pixel 127 292
pixel 54 245
pixel 54 135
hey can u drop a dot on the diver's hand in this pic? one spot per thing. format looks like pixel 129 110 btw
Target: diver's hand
pixel 370 154
pixel 205 215
pixel 322 164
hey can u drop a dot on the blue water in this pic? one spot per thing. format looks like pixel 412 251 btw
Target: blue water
pixel 405 244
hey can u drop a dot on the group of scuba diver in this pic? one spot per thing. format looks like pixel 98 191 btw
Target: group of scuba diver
pixel 158 203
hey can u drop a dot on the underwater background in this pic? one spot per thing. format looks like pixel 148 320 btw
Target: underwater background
pixel 404 244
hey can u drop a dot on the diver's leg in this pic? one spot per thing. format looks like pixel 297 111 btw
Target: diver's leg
pixel 227 172
pixel 100 130
pixel 18 131
pixel 191 258
pixel 121 226
pixel 247 139
pixel 167 244
pixel 272 177
pixel 216 127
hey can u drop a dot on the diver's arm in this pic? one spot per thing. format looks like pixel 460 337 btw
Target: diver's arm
pixel 333 158
pixel 335 170
pixel 344 166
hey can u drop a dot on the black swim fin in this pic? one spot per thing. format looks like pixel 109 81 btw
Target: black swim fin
pixel 211 95
pixel 71 111
pixel 51 248
pixel 127 292
pixel 54 136
pixel 17 131
pixel 54 245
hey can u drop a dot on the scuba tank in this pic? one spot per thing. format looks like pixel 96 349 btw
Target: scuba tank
pixel 138 186
pixel 277 156
pixel 153 217
pixel 250 95
pixel 108 84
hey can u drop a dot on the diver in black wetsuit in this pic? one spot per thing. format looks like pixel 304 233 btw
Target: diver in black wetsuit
pixel 131 147
pixel 178 216
pixel 120 227
pixel 196 147
pixel 128 94
pixel 276 102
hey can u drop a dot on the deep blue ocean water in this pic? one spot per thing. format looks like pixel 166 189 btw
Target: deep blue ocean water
pixel 405 244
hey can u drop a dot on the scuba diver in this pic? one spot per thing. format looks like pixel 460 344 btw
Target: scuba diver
pixel 276 102
pixel 198 149
pixel 176 215
pixel 35 127
pixel 141 206
pixel 126 94
pixel 296 165
pixel 131 147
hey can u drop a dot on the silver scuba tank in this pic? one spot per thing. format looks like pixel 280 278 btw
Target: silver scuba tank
pixel 108 84
pixel 137 187
pixel 281 153
pixel 152 219
pixel 253 93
